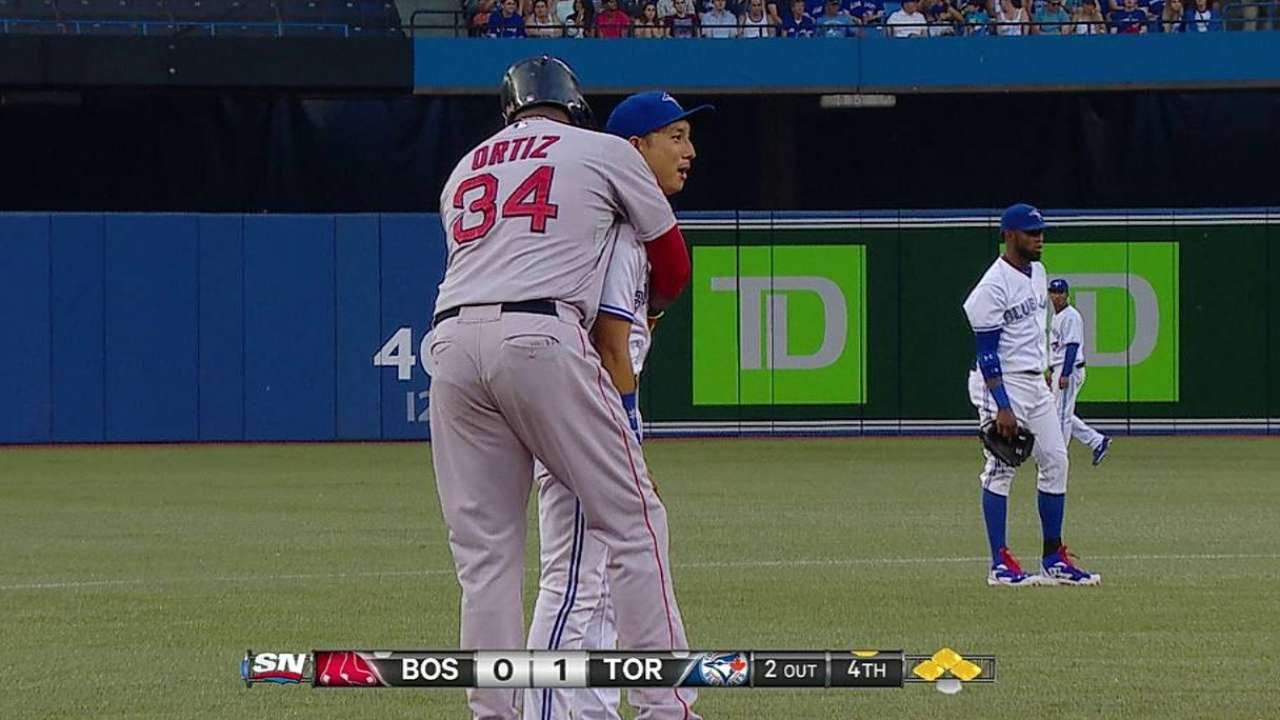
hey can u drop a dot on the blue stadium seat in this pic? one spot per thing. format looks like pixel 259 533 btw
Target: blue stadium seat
pixel 183 29
pixel 345 12
pixel 151 10
pixel 39 27
pixel 313 30
pixel 115 10
pixel 37 10
pixel 257 11
pixel 200 10
pixel 381 17
pixel 247 29
pixel 79 9
pixel 109 27
pixel 303 11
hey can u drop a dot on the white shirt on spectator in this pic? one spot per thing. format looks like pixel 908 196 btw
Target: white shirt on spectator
pixel 904 24
pixel 756 28
pixel 1011 25
pixel 719 24
pixel 668 7
pixel 1202 20
pixel 564 9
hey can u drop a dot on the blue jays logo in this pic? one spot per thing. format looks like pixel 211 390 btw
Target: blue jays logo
pixel 723 669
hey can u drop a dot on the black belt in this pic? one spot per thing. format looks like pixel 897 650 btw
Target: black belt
pixel 533 307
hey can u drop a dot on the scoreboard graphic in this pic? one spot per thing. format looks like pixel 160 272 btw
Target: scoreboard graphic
pixel 946 668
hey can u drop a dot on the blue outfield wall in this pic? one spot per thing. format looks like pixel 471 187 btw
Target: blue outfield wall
pixel 873 64
pixel 211 327
pixel 187 327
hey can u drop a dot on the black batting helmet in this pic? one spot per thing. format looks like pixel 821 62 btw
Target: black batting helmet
pixel 543 81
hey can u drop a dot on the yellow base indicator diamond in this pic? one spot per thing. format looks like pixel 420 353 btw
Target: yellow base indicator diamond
pixel 929 670
pixel 966 670
pixel 947 658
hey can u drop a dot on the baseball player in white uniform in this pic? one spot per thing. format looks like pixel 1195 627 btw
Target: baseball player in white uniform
pixel 574 610
pixel 1008 311
pixel 531 215
pixel 1067 373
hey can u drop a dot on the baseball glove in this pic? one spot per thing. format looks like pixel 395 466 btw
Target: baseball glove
pixel 1010 452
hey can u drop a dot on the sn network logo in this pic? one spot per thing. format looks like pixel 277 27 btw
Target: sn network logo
pixel 284 668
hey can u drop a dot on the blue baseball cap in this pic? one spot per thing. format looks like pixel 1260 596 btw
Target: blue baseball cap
pixel 1022 217
pixel 645 112
pixel 1058 286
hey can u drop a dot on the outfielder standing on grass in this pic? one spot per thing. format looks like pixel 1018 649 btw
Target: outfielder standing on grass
pixel 1008 311
pixel 1066 377
pixel 574 610
pixel 531 215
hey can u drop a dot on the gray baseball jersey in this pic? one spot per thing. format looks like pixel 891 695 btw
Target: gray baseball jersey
pixel 509 386
pixel 531 211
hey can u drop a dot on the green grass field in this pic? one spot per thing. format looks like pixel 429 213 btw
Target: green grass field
pixel 134 578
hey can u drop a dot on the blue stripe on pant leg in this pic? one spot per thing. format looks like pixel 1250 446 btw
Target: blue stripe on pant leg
pixel 571 590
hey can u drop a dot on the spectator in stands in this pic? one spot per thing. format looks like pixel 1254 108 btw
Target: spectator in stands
pixel 1171 17
pixel 1011 18
pixel 683 23
pixel 755 22
pixel 832 22
pixel 907 21
pixel 563 9
pixel 943 18
pixel 582 21
pixel 648 25
pixel 612 22
pixel 543 22
pixel 1087 19
pixel 480 21
pixel 1203 18
pixel 866 12
pixel 718 22
pixel 976 19
pixel 1254 13
pixel 666 8
pixel 1129 20
pixel 508 23
pixel 1155 10
pixel 1051 18
pixel 798 23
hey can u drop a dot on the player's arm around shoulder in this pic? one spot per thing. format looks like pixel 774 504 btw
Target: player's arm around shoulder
pixel 639 198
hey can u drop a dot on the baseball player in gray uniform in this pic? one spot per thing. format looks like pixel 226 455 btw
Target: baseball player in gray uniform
pixel 1067 371
pixel 530 216
pixel 1008 311
pixel 574 610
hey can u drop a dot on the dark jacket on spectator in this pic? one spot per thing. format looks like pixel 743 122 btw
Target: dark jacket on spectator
pixel 683 27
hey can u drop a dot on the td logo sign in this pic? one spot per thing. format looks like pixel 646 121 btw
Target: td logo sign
pixel 1127 294
pixel 782 325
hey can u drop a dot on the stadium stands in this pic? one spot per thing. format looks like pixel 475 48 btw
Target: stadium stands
pixel 235 18
pixel 856 18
